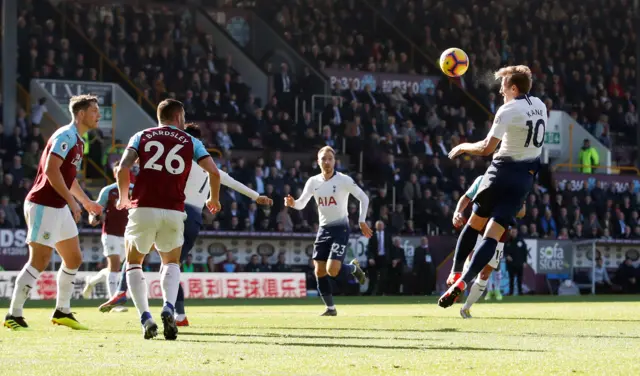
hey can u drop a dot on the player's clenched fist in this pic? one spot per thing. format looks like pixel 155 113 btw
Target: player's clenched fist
pixel 123 203
pixel 264 200
pixel 289 201
pixel 213 206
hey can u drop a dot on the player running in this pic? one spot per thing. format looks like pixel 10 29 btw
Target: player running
pixel 51 212
pixel 114 222
pixel 331 190
pixel 157 204
pixel 520 125
pixel 196 193
pixel 480 284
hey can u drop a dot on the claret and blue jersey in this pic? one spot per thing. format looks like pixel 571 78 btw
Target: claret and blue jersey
pixel 165 155
pixel 66 144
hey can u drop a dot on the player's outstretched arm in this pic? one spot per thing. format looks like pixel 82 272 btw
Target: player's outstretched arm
pixel 359 194
pixel 490 143
pixel 91 206
pixel 207 164
pixel 123 177
pixel 482 148
pixel 303 200
pixel 55 178
pixel 228 181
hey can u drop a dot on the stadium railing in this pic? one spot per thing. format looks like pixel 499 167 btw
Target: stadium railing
pixel 609 169
pixel 313 107
pixel 24 98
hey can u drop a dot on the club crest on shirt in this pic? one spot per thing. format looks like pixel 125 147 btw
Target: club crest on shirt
pixel 46 236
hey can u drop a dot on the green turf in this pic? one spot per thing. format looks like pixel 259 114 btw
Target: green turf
pixel 372 336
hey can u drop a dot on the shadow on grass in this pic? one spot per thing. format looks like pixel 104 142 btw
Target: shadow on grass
pixel 306 336
pixel 328 329
pixel 355 346
pixel 392 330
pixel 514 318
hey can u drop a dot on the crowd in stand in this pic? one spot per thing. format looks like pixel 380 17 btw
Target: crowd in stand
pixel 582 54
pixel 406 135
pixel 590 71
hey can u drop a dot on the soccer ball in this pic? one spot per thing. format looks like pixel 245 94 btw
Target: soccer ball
pixel 454 62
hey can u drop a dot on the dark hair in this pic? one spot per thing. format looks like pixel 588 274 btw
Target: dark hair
pixel 193 129
pixel 167 110
pixel 82 102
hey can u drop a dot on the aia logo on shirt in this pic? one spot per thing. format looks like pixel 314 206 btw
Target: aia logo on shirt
pixel 327 201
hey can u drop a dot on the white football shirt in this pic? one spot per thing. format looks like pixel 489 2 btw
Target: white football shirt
pixel 332 198
pixel 520 124
pixel 197 189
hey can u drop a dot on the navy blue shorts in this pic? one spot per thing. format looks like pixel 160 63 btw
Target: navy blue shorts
pixel 503 190
pixel 331 243
pixel 191 229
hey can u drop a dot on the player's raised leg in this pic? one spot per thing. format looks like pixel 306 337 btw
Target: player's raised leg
pixel 119 299
pixel 466 242
pixel 481 257
pixel 91 281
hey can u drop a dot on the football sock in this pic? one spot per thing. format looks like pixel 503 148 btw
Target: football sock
pixel 113 283
pixel 475 292
pixel 24 283
pixel 138 284
pixel 65 288
pixel 324 289
pixel 466 242
pixel 481 258
pixel 101 276
pixel 348 268
pixel 170 281
pixel 122 285
pixel 180 301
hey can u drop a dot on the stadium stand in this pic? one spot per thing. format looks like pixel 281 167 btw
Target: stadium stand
pixel 418 135
pixel 412 185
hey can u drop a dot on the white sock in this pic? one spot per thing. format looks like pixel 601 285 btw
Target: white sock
pixel 170 280
pixel 138 287
pixel 113 283
pixel 24 283
pixel 475 292
pixel 101 276
pixel 65 288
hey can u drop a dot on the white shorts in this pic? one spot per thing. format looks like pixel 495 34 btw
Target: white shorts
pixel 47 225
pixel 149 226
pixel 113 246
pixel 495 260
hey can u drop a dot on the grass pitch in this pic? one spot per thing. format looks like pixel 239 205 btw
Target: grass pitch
pixel 371 336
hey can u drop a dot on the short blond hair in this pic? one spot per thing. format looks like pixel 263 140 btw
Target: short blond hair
pixel 327 148
pixel 78 103
pixel 519 75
